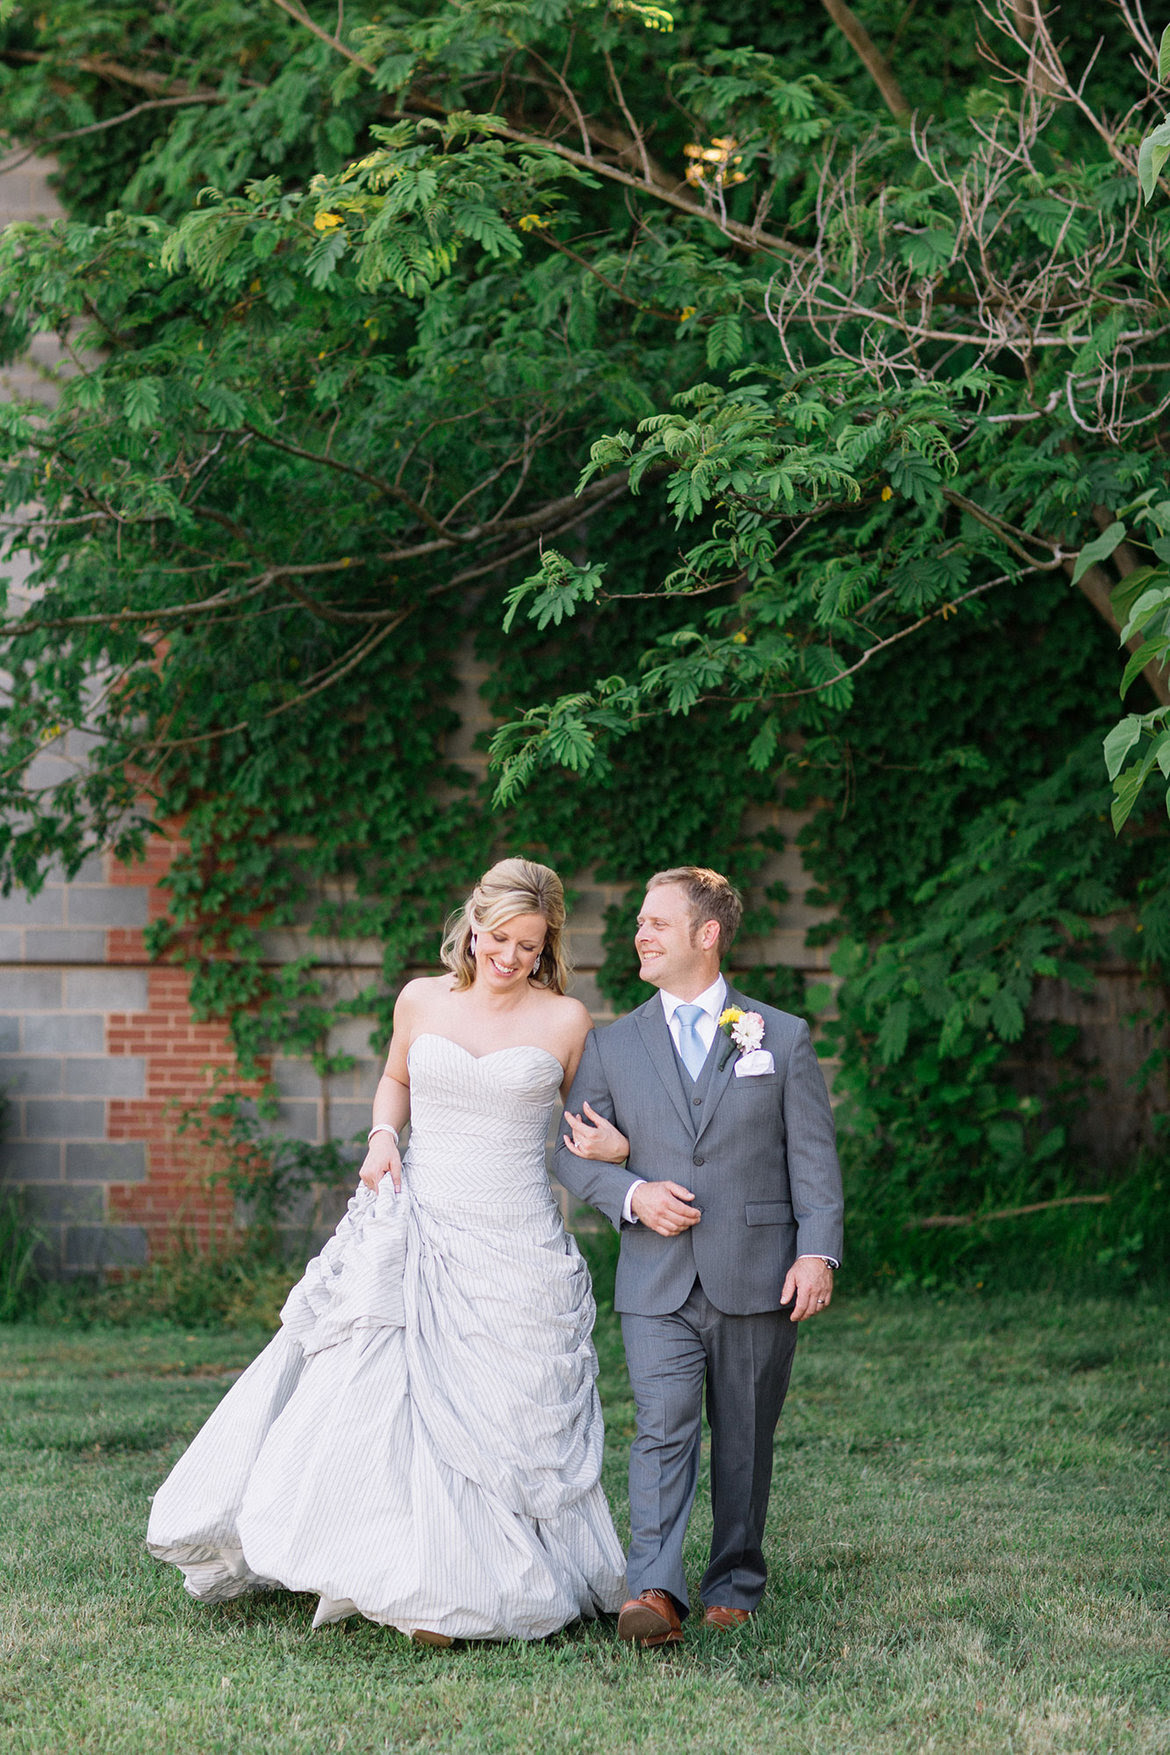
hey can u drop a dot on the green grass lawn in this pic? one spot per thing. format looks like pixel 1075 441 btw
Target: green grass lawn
pixel 968 1548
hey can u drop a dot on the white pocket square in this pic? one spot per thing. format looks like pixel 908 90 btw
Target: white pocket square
pixel 750 1066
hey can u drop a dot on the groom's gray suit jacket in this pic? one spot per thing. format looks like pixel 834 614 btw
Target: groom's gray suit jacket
pixel 758 1153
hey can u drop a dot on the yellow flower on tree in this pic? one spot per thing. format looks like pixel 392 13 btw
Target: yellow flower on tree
pixel 887 493
pixel 720 156
pixel 327 222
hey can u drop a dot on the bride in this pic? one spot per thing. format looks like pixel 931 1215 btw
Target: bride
pixel 421 1442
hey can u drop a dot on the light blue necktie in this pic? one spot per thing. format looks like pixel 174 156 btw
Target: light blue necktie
pixel 690 1043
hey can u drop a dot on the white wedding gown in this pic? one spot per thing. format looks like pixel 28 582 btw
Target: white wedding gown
pixel 421 1442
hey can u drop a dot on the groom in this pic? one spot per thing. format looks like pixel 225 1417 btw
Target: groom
pixel 729 1208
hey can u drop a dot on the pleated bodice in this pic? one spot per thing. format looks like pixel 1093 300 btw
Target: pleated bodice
pixel 478 1124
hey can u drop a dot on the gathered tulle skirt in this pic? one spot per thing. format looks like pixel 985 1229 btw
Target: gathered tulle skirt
pixel 421 1442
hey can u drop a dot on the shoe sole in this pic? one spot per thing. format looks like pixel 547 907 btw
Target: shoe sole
pixel 645 1626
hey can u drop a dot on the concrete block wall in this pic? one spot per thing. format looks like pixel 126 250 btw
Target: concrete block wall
pixel 98 1057
pixel 27 198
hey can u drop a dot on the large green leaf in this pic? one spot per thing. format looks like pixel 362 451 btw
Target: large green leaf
pixel 1152 155
pixel 1099 549
pixel 1119 742
pixel 143 403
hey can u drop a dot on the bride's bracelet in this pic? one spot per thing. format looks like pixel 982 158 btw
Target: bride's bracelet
pixel 382 1127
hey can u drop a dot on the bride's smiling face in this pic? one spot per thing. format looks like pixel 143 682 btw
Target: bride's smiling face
pixel 505 954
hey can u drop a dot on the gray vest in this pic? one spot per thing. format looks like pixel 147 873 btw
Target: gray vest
pixel 695 1090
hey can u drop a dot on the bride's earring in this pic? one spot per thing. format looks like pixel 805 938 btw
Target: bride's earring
pixel 536 967
pixel 474 942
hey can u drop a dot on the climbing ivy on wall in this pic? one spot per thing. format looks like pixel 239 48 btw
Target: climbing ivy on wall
pixel 987 711
pixel 358 828
pixel 963 838
pixel 350 826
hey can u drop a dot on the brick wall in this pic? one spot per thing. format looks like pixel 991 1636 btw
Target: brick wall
pixel 98 1053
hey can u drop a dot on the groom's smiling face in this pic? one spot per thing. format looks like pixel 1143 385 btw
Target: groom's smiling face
pixel 671 953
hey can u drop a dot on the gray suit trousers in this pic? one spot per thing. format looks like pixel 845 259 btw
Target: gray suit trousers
pixel 746 1362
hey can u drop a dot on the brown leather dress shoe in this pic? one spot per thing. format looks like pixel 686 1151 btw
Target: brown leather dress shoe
pixel 719 1615
pixel 650 1619
pixel 422 1636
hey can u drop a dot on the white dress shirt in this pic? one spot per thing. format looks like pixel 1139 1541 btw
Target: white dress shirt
pixel 714 1002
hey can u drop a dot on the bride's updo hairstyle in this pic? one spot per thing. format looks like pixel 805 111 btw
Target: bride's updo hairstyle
pixel 512 887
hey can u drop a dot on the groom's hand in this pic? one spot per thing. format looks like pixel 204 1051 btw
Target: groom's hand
pixel 810 1283
pixel 664 1207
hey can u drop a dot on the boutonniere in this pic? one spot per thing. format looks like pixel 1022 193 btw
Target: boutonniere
pixel 744 1030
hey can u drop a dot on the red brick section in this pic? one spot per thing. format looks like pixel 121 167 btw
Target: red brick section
pixel 176 1199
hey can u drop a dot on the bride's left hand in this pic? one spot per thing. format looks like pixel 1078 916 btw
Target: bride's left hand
pixel 596 1137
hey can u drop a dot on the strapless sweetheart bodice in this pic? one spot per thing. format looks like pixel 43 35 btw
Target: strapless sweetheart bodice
pixel 478 1123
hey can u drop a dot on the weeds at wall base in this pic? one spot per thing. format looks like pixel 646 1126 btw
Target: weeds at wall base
pixel 18 1247
pixel 1086 1250
pixel 235 1285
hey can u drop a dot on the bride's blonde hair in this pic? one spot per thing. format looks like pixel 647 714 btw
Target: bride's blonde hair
pixel 511 887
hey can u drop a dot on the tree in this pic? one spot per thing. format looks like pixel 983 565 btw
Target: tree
pixel 974 343
pixel 783 388
pixel 963 308
pixel 349 307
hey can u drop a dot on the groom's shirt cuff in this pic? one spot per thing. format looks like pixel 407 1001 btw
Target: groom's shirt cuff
pixel 628 1215
pixel 829 1260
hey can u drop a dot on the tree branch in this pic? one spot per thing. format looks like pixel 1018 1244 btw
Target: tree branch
pixel 875 62
pixel 157 83
pixel 295 13
pixel 1095 583
pixel 938 1221
pixel 1098 587
pixel 744 236
pixel 167 103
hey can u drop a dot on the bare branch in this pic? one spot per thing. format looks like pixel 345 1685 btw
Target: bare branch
pixel 321 680
pixel 871 56
pixel 118 73
pixel 167 103
pixel 295 13
pixel 630 122
pixel 389 488
pixel 116 618
pixel 1098 587
pixel 939 1220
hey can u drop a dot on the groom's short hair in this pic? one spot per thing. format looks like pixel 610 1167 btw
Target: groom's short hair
pixel 711 897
